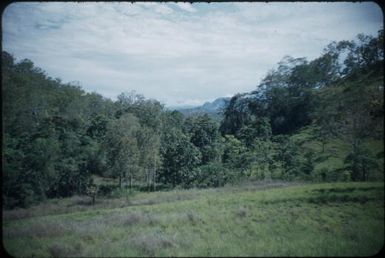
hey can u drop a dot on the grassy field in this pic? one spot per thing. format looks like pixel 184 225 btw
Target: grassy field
pixel 269 219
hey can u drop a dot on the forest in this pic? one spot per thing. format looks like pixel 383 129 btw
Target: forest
pixel 318 120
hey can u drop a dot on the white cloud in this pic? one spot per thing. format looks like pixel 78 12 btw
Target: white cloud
pixel 172 55
pixel 163 9
pixel 186 7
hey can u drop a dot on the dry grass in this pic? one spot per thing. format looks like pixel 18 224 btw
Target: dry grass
pixel 276 222
pixel 18 213
pixel 54 206
pixel 132 219
pixel 83 203
pixel 241 212
pixel 193 217
pixel 37 229
pixel 62 250
pixel 150 244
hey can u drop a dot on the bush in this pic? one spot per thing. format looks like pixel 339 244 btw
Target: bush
pixel 331 175
pixel 346 176
pixel 106 190
pixel 122 192
pixel 276 174
pixel 212 175
pixel 256 172
pixel 361 162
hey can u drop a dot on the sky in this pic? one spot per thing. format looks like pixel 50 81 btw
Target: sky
pixel 181 54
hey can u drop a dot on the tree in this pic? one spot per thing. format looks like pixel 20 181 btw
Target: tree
pixel 92 191
pixel 149 144
pixel 203 133
pixel 361 162
pixel 236 115
pixel 257 129
pixel 179 158
pixel 307 166
pixel 122 147
pixel 234 149
pixel 287 154
pixel 327 116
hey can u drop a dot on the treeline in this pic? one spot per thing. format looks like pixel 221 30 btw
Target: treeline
pixel 55 135
pixel 336 97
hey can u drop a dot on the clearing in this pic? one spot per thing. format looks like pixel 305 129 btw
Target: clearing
pixel 256 219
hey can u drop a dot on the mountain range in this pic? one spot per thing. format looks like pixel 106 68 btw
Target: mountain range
pixel 213 109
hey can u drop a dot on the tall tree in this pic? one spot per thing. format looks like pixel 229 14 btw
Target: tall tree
pixel 122 147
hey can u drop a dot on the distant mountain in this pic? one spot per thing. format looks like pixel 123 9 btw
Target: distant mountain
pixel 213 109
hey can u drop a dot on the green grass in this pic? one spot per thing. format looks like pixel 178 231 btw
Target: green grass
pixel 335 152
pixel 276 219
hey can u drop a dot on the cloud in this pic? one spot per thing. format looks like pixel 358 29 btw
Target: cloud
pixel 176 53
pixel 163 9
pixel 186 7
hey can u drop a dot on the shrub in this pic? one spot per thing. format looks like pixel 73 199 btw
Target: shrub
pixel 346 176
pixel 106 190
pixel 256 172
pixel 361 162
pixel 213 175
pixel 277 173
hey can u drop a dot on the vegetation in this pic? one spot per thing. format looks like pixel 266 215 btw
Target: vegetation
pixel 254 219
pixel 84 175
pixel 56 136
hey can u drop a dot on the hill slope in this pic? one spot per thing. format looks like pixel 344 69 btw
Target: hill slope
pixel 339 219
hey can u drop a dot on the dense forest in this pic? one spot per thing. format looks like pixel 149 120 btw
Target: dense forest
pixel 318 120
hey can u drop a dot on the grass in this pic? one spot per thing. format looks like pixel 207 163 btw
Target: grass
pixel 275 219
pixel 335 152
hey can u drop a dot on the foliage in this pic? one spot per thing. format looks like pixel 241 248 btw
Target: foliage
pixel 56 136
pixel 361 162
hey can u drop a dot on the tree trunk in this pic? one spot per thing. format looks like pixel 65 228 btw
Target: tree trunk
pixel 130 183
pixel 154 179
pixel 148 180
pixel 323 145
pixel 364 174
pixel 174 181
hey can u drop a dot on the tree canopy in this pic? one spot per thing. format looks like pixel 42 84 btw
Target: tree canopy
pixel 56 135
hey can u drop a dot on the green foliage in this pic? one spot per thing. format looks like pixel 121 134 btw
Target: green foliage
pixel 179 158
pixel 203 133
pixel 288 155
pixel 361 163
pixel 56 136
pixel 338 95
pixel 233 151
pixel 92 191
pixel 213 175
pixel 122 145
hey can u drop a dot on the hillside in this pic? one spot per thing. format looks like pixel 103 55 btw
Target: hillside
pixel 256 219
pixel 327 137
pixel 290 166
pixel 319 121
